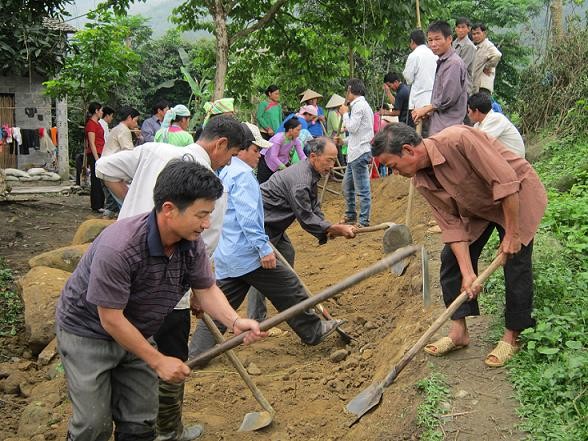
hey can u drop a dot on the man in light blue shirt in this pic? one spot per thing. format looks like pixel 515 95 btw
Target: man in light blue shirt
pixel 244 256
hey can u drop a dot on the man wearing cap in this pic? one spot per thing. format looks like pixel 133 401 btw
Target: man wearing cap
pixel 310 98
pixel 244 257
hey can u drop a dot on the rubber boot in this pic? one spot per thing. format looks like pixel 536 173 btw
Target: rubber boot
pixel 169 417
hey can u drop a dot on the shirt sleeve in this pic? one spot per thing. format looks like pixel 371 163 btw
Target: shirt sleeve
pixel 200 272
pixel 121 166
pixel 261 120
pixel 300 150
pixel 310 217
pixel 353 121
pixel 110 279
pixel 246 201
pixel 272 158
pixel 493 58
pixel 148 131
pixel 451 88
pixel 490 166
pixel 409 72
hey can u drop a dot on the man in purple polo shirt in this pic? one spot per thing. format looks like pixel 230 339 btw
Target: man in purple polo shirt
pixel 132 276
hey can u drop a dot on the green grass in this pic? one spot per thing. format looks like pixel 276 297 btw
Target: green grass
pixel 435 391
pixel 11 306
pixel 550 375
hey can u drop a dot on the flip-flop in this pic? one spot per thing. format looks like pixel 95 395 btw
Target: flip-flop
pixel 502 352
pixel 444 346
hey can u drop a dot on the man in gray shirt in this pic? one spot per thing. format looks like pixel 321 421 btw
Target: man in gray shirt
pixel 450 91
pixel 152 125
pixel 464 47
pixel 292 194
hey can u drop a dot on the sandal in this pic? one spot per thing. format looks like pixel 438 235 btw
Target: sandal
pixel 442 347
pixel 348 221
pixel 502 352
pixel 275 332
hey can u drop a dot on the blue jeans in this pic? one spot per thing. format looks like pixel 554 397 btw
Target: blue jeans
pixel 356 182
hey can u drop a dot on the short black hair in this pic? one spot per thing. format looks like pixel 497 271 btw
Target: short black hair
pixel 127 111
pixel 318 145
pixel 292 123
pixel 183 181
pixel 391 77
pixel 356 87
pixel 440 26
pixel 479 25
pixel 92 108
pixel 392 137
pixel 463 20
pixel 418 37
pixel 480 101
pixel 160 105
pixel 107 111
pixel 271 89
pixel 224 126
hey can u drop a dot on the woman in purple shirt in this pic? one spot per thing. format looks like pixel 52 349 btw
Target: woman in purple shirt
pixel 277 157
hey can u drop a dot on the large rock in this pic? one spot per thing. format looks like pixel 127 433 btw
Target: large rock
pixel 65 258
pixel 39 290
pixel 89 230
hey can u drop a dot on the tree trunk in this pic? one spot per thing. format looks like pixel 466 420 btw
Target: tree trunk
pixel 351 62
pixel 222 49
pixel 556 20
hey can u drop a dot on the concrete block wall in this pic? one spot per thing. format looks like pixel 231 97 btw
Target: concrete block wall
pixel 29 93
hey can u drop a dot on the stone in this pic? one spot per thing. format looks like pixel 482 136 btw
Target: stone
pixel 11 385
pixel 33 420
pixel 367 354
pixel 461 393
pixel 65 258
pixel 48 353
pixel 436 229
pixel 252 369
pixel 417 284
pixel 40 289
pixel 370 325
pixel 339 355
pixel 89 230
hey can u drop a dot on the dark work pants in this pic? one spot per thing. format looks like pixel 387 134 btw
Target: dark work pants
pixel 281 287
pixel 96 193
pixel 518 276
pixel 263 171
pixel 172 340
pixel 256 308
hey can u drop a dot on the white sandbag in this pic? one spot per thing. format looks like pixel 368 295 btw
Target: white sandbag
pixel 50 176
pixel 11 178
pixel 36 171
pixel 30 178
pixel 15 172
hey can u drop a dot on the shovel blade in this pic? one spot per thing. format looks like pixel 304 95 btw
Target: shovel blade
pixel 255 421
pixel 366 400
pixel 395 237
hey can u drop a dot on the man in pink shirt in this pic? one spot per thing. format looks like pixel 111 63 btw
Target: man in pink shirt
pixel 474 184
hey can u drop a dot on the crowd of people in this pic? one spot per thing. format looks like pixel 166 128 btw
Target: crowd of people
pixel 228 193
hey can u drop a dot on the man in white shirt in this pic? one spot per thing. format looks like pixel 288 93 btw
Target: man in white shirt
pixel 222 138
pixel 419 71
pixel 358 120
pixel 485 62
pixel 121 138
pixel 107 117
pixel 494 123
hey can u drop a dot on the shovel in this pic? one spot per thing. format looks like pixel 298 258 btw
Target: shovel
pixel 395 237
pixel 252 420
pixel 287 314
pixel 371 397
pixel 344 335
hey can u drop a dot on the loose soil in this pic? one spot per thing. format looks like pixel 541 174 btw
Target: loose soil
pixel 307 389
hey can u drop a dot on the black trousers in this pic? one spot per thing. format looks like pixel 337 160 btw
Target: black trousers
pixel 96 193
pixel 263 171
pixel 172 337
pixel 518 277
pixel 281 287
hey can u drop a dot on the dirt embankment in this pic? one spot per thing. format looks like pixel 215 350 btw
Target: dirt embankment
pixel 306 388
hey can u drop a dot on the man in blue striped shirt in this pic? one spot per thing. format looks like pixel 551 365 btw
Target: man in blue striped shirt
pixel 244 256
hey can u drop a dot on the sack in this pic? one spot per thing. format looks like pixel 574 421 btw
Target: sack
pixel 36 171
pixel 16 173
